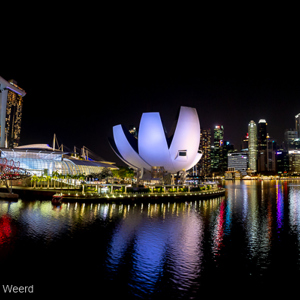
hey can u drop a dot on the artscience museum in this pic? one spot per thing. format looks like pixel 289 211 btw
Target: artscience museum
pixel 153 150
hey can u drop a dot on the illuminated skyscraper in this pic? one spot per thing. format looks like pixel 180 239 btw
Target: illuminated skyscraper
pixel 282 161
pixel 238 162
pixel 217 155
pixel 205 147
pixel 252 145
pixel 262 134
pixel 245 142
pixel 271 154
pixel 262 146
pixel 11 103
pixel 297 124
pixel 294 162
pixel 291 140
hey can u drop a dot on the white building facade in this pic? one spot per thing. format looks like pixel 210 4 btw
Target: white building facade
pixel 153 150
pixel 40 159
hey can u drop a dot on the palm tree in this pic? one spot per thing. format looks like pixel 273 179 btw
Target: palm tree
pixel 61 177
pixel 34 179
pixel 40 180
pixel 80 176
pixel 55 176
pixel 47 177
pixel 68 176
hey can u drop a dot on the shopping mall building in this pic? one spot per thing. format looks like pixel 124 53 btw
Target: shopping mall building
pixel 41 159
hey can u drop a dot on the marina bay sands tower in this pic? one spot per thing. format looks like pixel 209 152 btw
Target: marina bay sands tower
pixel 11 103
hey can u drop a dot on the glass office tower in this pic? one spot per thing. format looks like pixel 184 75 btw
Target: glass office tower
pixel 262 146
pixel 217 153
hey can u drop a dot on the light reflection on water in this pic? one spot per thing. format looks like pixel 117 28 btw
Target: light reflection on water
pixel 160 235
pixel 248 238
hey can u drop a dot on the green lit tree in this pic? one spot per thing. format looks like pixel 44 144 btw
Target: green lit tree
pixel 124 173
pixel 34 179
pixel 106 173
pixel 48 179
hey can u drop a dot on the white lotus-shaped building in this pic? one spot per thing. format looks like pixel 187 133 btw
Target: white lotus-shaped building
pixel 153 149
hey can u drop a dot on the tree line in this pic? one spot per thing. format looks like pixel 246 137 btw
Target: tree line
pixel 122 173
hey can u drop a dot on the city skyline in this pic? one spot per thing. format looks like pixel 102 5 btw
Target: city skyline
pixel 78 87
pixel 81 115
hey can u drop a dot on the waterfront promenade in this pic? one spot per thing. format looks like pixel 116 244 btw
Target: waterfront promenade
pixel 92 192
pixel 84 195
pixel 141 197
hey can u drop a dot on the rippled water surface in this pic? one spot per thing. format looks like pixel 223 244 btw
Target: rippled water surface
pixel 245 242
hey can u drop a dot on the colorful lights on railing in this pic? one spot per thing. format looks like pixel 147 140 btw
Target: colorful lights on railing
pixel 9 168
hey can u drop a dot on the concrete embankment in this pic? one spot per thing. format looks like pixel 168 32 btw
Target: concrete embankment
pixel 30 193
pixel 157 197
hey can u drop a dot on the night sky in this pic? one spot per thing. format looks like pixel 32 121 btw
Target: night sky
pixel 81 81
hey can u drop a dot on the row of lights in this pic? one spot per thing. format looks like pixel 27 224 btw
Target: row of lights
pixel 128 196
pixel 195 194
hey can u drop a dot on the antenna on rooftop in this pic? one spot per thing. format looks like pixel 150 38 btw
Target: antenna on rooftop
pixel 85 152
pixel 54 138
pixel 61 147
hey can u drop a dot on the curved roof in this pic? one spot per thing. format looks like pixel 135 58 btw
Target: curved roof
pixel 79 162
pixel 36 146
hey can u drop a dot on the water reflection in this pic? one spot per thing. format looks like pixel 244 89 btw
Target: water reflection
pixel 280 206
pixel 5 229
pixel 173 249
pixel 162 238
pixel 294 214
pixel 218 231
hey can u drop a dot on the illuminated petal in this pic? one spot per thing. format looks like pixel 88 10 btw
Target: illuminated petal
pixel 152 143
pixel 126 150
pixel 186 137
